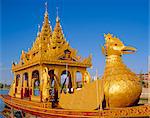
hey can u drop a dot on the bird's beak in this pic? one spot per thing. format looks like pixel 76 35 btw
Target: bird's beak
pixel 128 50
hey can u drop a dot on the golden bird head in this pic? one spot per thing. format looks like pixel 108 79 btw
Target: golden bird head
pixel 114 46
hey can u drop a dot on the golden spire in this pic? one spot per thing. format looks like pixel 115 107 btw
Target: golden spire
pixel 58 38
pixel 46 28
pixel 44 36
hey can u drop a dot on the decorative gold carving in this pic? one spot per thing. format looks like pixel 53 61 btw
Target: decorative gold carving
pixel 87 60
pixel 45 85
pixel 12 89
pixel 87 77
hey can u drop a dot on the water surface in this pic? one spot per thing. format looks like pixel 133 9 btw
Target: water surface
pixel 2 104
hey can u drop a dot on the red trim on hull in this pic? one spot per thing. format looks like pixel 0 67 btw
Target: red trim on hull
pixel 137 111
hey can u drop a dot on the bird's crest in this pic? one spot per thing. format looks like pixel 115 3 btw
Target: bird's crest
pixel 114 46
pixel 110 39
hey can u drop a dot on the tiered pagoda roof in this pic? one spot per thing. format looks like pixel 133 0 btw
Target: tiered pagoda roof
pixel 51 47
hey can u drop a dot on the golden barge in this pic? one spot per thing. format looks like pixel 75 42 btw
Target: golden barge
pixel 50 68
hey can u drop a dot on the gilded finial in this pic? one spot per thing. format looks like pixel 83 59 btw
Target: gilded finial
pixel 38 29
pixel 57 16
pixel 46 7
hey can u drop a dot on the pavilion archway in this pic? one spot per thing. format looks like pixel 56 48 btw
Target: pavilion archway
pixel 54 85
pixel 18 79
pixel 25 84
pixel 66 82
pixel 79 79
pixel 35 83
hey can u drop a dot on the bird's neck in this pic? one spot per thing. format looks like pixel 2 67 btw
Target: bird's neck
pixel 114 60
pixel 114 65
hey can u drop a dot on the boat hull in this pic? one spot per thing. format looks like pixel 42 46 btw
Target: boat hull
pixel 138 111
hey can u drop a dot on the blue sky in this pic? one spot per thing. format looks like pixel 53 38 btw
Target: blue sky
pixel 83 21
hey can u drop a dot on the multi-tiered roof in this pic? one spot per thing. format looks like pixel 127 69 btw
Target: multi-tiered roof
pixel 51 47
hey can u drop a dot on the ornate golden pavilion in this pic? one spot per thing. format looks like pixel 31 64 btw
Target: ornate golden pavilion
pixel 50 52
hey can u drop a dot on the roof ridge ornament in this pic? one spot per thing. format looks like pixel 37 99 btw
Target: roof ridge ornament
pixel 46 7
pixel 57 16
pixel 38 30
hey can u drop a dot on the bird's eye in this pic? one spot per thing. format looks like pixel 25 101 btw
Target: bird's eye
pixel 115 44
